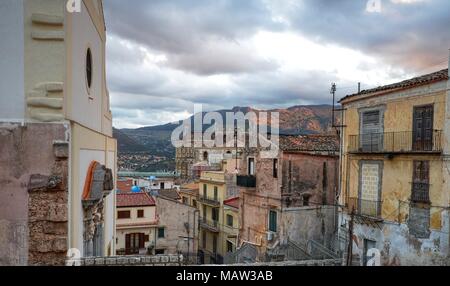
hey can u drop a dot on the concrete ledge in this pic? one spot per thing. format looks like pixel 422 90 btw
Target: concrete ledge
pixel 54 103
pixel 48 35
pixel 47 19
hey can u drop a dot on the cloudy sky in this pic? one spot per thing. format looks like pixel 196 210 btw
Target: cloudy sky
pixel 165 56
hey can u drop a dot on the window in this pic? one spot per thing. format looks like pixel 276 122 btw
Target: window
pixel 194 203
pixel 215 244
pixel 89 68
pixel 229 246
pixel 306 200
pixel 275 168
pixel 160 251
pixel 161 232
pixel 251 166
pixel 185 201
pixel 162 186
pixel 204 239
pixel 230 220
pixel 205 190
pixel 371 130
pixel 421 182
pixel 134 242
pixel 423 128
pixel 205 156
pixel 123 214
pixel 273 221
pixel 215 214
pixel 216 193
pixel 140 213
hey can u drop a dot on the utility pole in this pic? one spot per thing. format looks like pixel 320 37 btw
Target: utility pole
pixel 333 92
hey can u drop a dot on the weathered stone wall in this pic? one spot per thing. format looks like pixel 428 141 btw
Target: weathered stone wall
pixel 314 176
pixel 33 194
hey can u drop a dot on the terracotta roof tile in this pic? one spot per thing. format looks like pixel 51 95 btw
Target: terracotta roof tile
pixel 170 194
pixel 124 185
pixel 134 200
pixel 311 143
pixel 410 83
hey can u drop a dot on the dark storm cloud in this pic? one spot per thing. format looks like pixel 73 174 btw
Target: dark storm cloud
pixel 413 35
pixel 198 36
pixel 204 56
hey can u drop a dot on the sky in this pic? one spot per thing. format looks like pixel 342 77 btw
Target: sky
pixel 165 56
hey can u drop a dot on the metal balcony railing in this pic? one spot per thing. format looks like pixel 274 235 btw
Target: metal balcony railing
pixel 209 201
pixel 246 181
pixel 395 142
pixel 420 192
pixel 365 207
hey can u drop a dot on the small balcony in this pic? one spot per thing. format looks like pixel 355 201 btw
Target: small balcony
pixel 366 208
pixel 214 202
pixel 420 192
pixel 210 225
pixel 246 181
pixel 395 143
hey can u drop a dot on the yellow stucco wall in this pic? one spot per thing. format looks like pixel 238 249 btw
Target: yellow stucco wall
pixel 211 180
pixel 397 172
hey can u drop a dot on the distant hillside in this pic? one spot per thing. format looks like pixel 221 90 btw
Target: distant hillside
pixel 156 139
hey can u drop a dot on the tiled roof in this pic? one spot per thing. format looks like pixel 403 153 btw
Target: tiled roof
pixel 234 202
pixel 311 143
pixel 124 185
pixel 170 194
pixel 413 82
pixel 134 200
pixel 191 188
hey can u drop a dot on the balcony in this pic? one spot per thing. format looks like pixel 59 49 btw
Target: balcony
pixel 395 143
pixel 420 193
pixel 366 208
pixel 214 202
pixel 210 225
pixel 246 181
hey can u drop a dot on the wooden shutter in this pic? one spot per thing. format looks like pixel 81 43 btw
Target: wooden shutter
pixel 127 243
pixel 423 128
pixel 371 131
pixel 141 240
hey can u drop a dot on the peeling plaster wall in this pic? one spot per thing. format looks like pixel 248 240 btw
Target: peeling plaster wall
pixel 27 151
pixel 398 247
pixel 308 223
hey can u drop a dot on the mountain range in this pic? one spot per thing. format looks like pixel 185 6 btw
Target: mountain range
pixel 302 119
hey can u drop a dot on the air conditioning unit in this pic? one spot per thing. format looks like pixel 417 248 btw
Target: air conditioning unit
pixel 270 236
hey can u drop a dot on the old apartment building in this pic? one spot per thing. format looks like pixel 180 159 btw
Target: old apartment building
pixel 57 154
pixel 395 172
pixel 137 224
pixel 284 199
pixel 218 223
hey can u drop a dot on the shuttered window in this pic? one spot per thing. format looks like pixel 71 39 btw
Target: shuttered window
pixel 273 221
pixel 123 214
pixel 371 131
